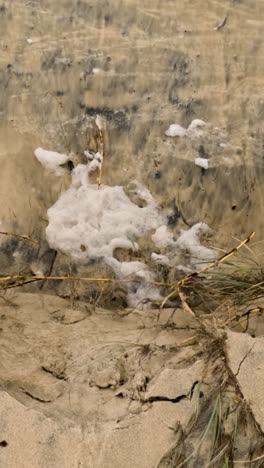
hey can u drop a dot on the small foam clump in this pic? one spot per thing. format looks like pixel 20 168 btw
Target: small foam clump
pixel 202 162
pixel 162 238
pixel 195 128
pixel 176 130
pixel 137 292
pixel 188 241
pixel 160 259
pixel 193 131
pixel 51 160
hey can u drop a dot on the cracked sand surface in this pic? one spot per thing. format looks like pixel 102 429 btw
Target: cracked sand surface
pixel 93 389
pixel 93 378
pixel 246 360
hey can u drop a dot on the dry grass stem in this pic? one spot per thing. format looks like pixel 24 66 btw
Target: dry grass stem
pixel 18 236
pixel 20 277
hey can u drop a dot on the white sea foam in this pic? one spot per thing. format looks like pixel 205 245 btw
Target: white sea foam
pixel 202 162
pixel 88 222
pixel 194 130
pixel 51 160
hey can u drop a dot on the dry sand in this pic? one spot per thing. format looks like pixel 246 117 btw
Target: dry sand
pixel 92 388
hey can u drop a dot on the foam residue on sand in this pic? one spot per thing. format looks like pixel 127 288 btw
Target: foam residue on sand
pixel 89 223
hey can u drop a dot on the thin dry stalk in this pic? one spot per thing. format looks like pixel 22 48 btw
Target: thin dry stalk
pixel 102 148
pixel 18 236
pixel 24 278
pixel 186 307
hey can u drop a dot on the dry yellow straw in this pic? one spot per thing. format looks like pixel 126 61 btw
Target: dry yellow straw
pixel 77 278
pixel 101 136
pixel 100 125
pixel 18 236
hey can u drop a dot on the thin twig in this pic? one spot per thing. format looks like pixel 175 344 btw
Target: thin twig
pixel 100 127
pixel 18 236
pixel 77 278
